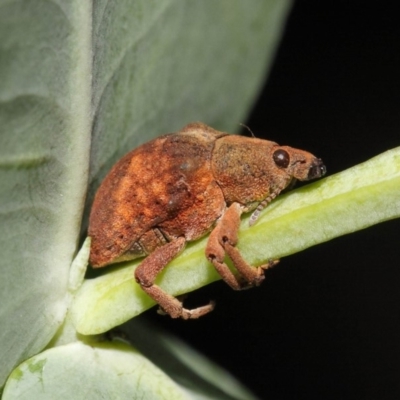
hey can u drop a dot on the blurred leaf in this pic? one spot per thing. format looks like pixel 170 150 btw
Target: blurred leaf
pixel 45 124
pixel 181 62
pixel 79 371
pixel 359 197
pixel 185 366
pixel 116 370
pixel 81 84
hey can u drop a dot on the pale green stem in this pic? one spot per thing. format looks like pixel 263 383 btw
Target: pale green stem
pixel 354 199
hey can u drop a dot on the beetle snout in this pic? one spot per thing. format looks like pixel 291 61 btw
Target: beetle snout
pixel 317 169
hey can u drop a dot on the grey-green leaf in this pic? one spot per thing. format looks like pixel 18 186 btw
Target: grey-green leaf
pixel 79 371
pixel 82 83
pixel 203 379
pixel 181 62
pixel 45 67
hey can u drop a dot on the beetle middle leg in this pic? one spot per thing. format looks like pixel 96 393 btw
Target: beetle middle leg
pixel 222 241
pixel 152 265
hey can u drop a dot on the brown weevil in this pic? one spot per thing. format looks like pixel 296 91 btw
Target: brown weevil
pixel 181 186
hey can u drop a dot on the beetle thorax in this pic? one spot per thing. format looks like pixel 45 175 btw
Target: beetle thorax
pixel 244 169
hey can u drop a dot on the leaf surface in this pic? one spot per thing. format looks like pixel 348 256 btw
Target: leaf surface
pixel 81 84
pixel 90 372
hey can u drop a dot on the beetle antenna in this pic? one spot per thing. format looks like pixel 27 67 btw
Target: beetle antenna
pixel 245 126
pixel 264 203
pixel 260 207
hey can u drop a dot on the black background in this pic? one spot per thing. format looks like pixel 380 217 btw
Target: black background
pixel 326 322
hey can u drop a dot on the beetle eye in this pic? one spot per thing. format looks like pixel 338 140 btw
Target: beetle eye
pixel 281 158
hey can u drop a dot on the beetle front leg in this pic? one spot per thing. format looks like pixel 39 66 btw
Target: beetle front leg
pixel 147 271
pixel 222 241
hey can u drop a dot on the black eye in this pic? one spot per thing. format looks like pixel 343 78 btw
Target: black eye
pixel 281 158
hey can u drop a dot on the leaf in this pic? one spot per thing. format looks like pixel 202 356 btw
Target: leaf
pixel 104 370
pixel 81 84
pixel 191 370
pixel 116 370
pixel 176 67
pixel 359 197
pixel 44 146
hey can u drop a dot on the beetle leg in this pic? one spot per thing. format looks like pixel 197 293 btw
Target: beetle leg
pixel 152 265
pixel 215 253
pixel 222 241
pixel 252 275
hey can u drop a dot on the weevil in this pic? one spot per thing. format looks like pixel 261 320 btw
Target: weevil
pixel 182 186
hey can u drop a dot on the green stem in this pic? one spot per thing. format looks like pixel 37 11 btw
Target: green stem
pixel 352 200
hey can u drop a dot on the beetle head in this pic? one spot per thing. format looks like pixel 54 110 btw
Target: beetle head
pixel 298 164
pixel 251 170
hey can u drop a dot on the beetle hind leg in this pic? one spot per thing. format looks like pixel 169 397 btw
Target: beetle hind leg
pixel 252 275
pixel 189 314
pixel 222 241
pixel 147 271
